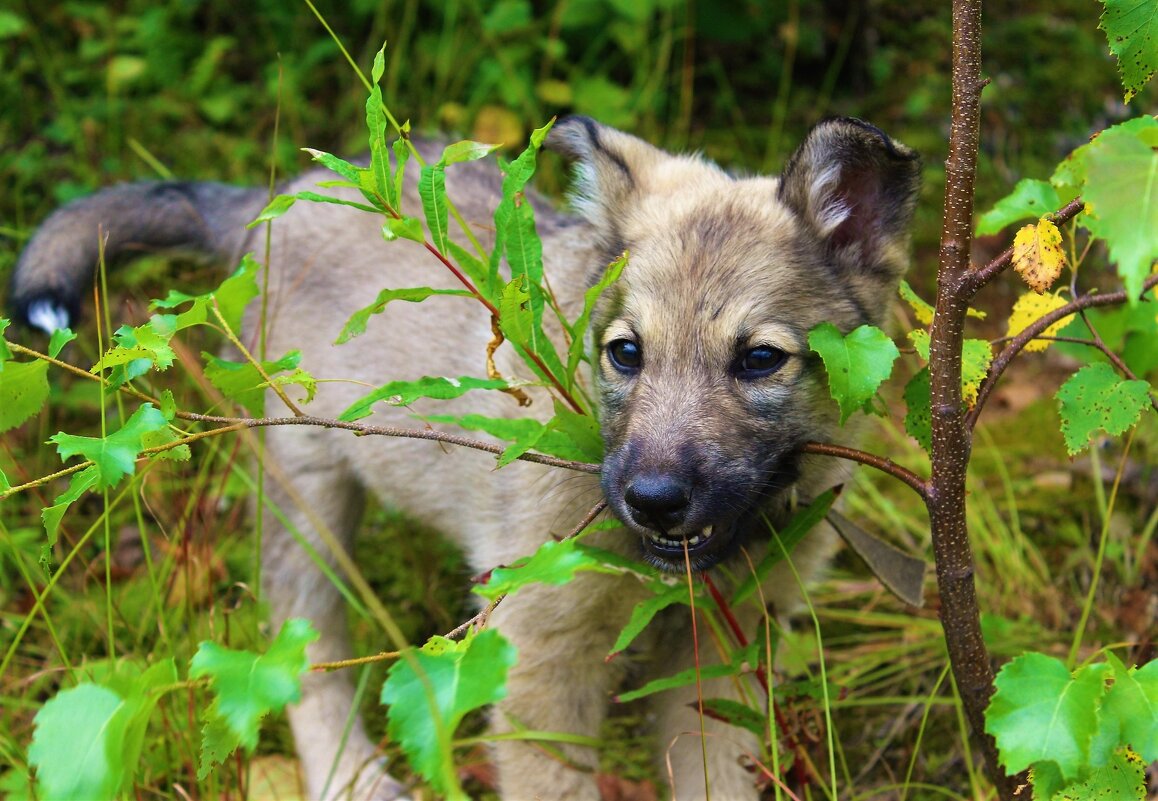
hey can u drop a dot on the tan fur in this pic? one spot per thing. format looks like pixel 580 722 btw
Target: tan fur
pixel 717 265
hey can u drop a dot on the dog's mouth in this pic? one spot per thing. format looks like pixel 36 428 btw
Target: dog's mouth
pixel 703 547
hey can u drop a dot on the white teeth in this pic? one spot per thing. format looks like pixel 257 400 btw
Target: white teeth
pixel 692 541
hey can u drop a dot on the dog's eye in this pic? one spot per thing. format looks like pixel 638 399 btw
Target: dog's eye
pixel 761 361
pixel 626 356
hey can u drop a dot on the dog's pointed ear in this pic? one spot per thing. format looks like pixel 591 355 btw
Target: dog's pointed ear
pixel 610 167
pixel 856 189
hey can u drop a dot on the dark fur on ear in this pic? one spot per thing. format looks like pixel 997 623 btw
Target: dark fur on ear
pixel 856 189
pixel 608 166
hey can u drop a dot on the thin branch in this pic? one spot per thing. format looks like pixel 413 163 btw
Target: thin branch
pixel 982 276
pixel 1017 343
pixel 918 484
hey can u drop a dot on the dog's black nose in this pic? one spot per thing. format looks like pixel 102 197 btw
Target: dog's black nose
pixel 659 502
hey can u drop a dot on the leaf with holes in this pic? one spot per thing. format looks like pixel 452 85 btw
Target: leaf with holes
pixel 1123 778
pixel 1132 31
pixel 1095 399
pixel 857 364
pixel 429 690
pixel 249 686
pixel 1037 254
pixel 1030 308
pixel 1130 711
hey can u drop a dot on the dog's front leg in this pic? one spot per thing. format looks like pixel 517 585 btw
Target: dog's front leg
pixel 560 683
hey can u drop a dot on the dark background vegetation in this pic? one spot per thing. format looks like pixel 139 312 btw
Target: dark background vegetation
pixel 93 92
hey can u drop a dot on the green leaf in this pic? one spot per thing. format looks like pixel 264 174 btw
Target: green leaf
pixel 356 325
pixel 1030 199
pixel 403 228
pixel 643 613
pixel 139 350
pixel 466 150
pixel 519 431
pixel 115 455
pixel 737 714
pixel 379 126
pixel 432 191
pixel 274 209
pixel 232 296
pixel 60 337
pixel 429 693
pixel 918 402
pixel 1117 176
pixel 976 355
pixel 23 391
pixel 401 158
pixel 249 686
pixel 581 429
pixel 242 383
pixel 403 393
pixel 579 329
pixel 88 738
pixel 1131 29
pixel 793 532
pixel 1130 711
pixel 554 563
pixel 5 353
pixel 681 679
pixel 1123 778
pixel 351 172
pixel 1096 398
pixel 1042 713
pixel 857 364
pixel 79 484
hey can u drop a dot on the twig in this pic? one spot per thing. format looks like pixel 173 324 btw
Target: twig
pixel 918 485
pixel 1002 360
pixel 269 382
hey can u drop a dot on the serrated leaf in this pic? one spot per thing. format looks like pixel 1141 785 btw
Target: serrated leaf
pixel 921 310
pixel 1030 199
pixel 1042 713
pixel 1122 779
pixel 517 430
pixel 23 391
pixel 1132 31
pixel 429 694
pixel 644 612
pixel 115 455
pixel 60 337
pixel 242 383
pixel 248 686
pixel 1037 254
pixel 79 484
pixel 298 377
pixel 403 393
pixel 1030 308
pixel 232 296
pixel 139 349
pixel 554 563
pixel 857 364
pixel 1094 399
pixel 976 354
pixel 1130 710
pixel 88 738
pixel 918 403
pixel 802 522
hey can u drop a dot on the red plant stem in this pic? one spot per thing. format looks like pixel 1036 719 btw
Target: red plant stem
pixel 919 485
pixel 1045 321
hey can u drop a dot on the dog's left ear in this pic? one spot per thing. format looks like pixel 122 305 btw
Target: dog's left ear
pixel 856 189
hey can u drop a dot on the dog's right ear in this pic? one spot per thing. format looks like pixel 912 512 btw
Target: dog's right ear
pixel 610 167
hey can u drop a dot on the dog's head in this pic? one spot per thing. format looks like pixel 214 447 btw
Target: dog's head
pixel 706 383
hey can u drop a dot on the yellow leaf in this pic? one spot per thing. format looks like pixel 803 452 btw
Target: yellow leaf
pixel 1037 254
pixel 1031 307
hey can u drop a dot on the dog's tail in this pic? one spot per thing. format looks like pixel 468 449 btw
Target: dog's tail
pixel 57 266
